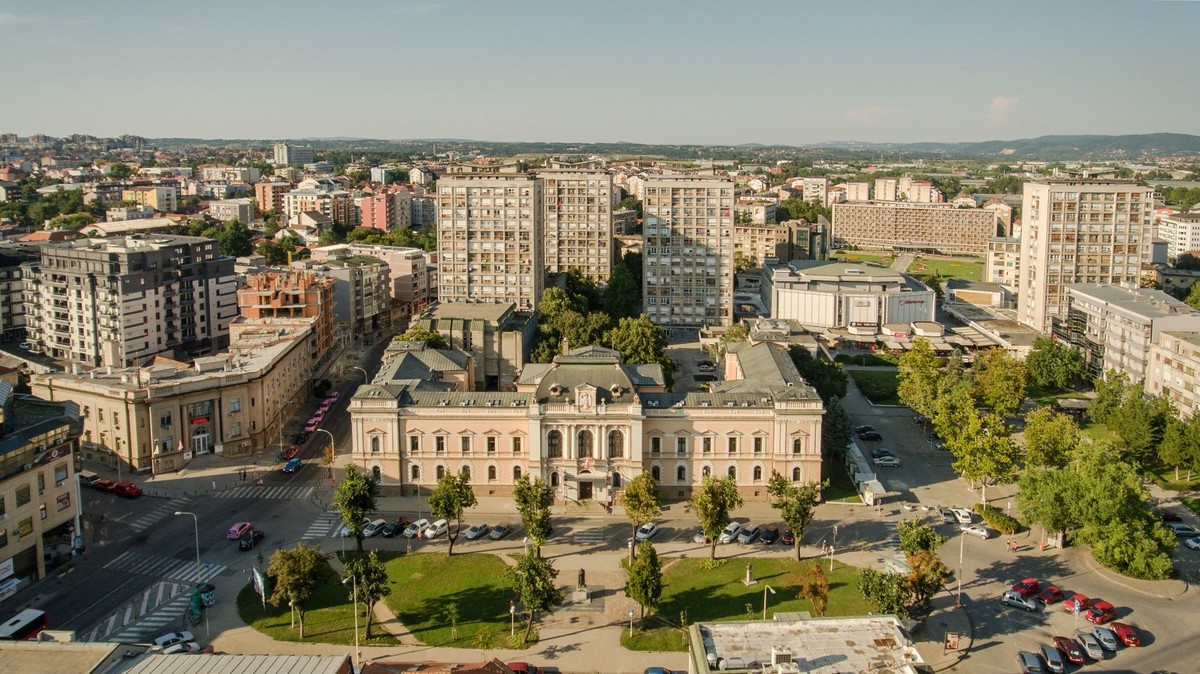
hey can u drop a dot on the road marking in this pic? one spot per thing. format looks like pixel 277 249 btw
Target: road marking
pixel 146 598
pixel 251 491
pixel 128 614
pixel 325 525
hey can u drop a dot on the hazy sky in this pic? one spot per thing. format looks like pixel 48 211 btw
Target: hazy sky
pixel 651 71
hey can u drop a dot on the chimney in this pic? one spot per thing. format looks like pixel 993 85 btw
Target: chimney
pixel 566 346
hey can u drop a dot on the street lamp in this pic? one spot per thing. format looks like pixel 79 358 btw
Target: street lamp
pixel 366 376
pixel 765 588
pixel 196 530
pixel 332 450
pixel 354 589
pixel 958 594
pixel 512 615
pixel 630 623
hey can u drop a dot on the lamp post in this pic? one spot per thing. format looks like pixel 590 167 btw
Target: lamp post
pixel 765 588
pixel 366 376
pixel 958 594
pixel 630 623
pixel 512 615
pixel 332 450
pixel 354 590
pixel 196 531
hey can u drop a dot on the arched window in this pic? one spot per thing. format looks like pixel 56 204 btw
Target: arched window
pixel 616 445
pixel 654 473
pixel 554 479
pixel 466 472
pixel 375 443
pixel 441 472
pixel 516 474
pixel 706 471
pixel 415 471
pixel 733 472
pixel 795 475
pixel 491 473
pixel 681 474
pixel 757 473
pixel 554 445
pixel 377 474
pixel 798 446
pixel 616 477
pixel 585 444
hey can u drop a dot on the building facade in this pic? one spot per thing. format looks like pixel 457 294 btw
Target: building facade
pixel 490 236
pixel 163 199
pixel 291 155
pixel 1174 365
pixel 1181 231
pixel 377 211
pixel 1003 262
pixel 688 251
pixel 496 335
pixel 244 210
pixel 121 301
pixel 900 225
pixel 588 424
pixel 361 293
pixel 288 296
pixel 322 196
pixel 1091 231
pixel 577 219
pixel 269 195
pixel 409 276
pixel 860 298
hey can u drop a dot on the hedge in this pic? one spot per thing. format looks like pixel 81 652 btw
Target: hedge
pixel 997 519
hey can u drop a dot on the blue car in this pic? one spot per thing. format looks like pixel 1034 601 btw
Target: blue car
pixel 292 466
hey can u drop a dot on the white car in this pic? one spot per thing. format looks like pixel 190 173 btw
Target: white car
pixel 731 532
pixel 182 647
pixel 344 532
pixel 976 529
pixel 412 530
pixel 887 462
pixel 962 515
pixel 647 531
pixel 374 528
pixel 437 529
pixel 1193 543
pixel 172 638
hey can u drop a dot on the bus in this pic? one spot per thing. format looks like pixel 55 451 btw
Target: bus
pixel 23 626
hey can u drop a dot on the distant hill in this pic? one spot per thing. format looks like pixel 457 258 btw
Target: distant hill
pixel 1048 147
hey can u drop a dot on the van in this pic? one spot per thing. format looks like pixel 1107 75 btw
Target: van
pixel 88 478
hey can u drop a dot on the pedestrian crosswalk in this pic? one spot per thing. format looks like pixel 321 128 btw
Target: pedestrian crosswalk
pixel 326 524
pixel 589 536
pixel 158 609
pixel 184 570
pixel 149 518
pixel 256 492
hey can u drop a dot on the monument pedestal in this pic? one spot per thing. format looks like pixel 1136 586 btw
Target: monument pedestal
pixel 581 595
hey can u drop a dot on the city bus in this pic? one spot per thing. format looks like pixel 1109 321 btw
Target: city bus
pixel 23 626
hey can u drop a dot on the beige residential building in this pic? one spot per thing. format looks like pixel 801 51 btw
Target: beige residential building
pixel 490 236
pixel 897 225
pixel 858 191
pixel 755 210
pixel 588 424
pixel 917 191
pixel 816 190
pixel 155 419
pixel 624 222
pixel 323 196
pixel 161 199
pixel 1173 367
pixel 887 189
pixel 578 219
pixel 754 243
pixel 268 195
pixel 1076 230
pixel 688 251
pixel 408 274
pixel 1003 262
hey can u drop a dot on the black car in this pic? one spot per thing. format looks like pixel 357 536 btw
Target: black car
pixel 250 539
pixel 1168 516
pixel 299 438
pixel 392 529
pixel 769 535
pixel 880 452
pixel 864 428
pixel 870 435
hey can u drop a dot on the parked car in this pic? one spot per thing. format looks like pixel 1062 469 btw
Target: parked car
pixel 918 419
pixel 477 531
pixel 1126 634
pixel 788 537
pixel 1029 663
pixel 769 535
pixel 1050 595
pixel 1106 637
pixel 1078 603
pixel 873 436
pixel 523 668
pixel 646 531
pixel 976 530
pixel 1053 659
pixel 881 452
pixel 887 462
pixel 300 437
pixel 1027 587
pixel 749 533
pixel 706 366
pixel 238 530
pixel 325 405
pixel 417 527
pixel 104 485
pixel 1183 530
pixel 1168 516
pixel 290 452
pixel 437 529
pixel 127 490
pixel 344 531
pixel 947 515
pixel 1070 650
pixel 250 539
pixel 172 638
pixel 1101 612
pixel 311 426
pixel 292 465
pixel 182 647
pixel 731 532
pixel 394 527
pixel 657 670
pixel 864 428
pixel 1010 598
pixel 500 531
pixel 700 537
pixel 962 515
pixel 374 528
pixel 1193 543
pixel 333 395
pixel 1090 646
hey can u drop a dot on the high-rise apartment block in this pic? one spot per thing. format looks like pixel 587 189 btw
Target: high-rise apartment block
pixel 323 196
pixel 490 236
pixel 577 219
pixel 688 250
pixel 123 300
pixel 269 195
pixel 1181 231
pixel 292 295
pixel 292 155
pixel 409 279
pixel 858 191
pixel 1079 230
pixel 898 225
pixel 1003 263
pixel 377 211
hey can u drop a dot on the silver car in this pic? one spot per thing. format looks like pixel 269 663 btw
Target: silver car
pixel 1106 637
pixel 731 532
pixel 1054 659
pixel 1090 645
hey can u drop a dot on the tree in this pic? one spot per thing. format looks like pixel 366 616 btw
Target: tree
pixel 928 576
pixel 885 592
pixel 233 239
pixel 1049 437
pixel 638 340
pixel 120 171
pixel 794 503
pixel 1053 365
pixel 837 430
pixel 369 577
pixel 1174 449
pixel 629 204
pixel 1111 392
pixel 918 376
pixel 641 503
pixel 1139 423
pixel 814 586
pixel 1193 297
pixel 297 572
pixel 711 504
pixel 986 454
pixel 449 499
pixel 354 498
pixel 534 498
pixel 737 333
pixel 826 377
pixel 999 381
pixel 623 295
pixel 430 338
pixel 645 585
pixel 917 536
pixel 1188 262
pixel 532 581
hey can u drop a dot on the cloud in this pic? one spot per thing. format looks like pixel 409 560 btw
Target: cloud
pixel 869 116
pixel 418 10
pixel 10 19
pixel 1001 109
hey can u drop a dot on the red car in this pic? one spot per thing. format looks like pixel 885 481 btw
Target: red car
pixel 1050 595
pixel 1100 613
pixel 290 452
pixel 1070 650
pixel 1126 634
pixel 1078 603
pixel 127 489
pixel 104 485
pixel 1027 587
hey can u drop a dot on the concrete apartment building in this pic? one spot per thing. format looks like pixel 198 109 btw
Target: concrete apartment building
pixel 1173 366
pixel 164 199
pixel 269 195
pixel 897 225
pixel 377 211
pixel 323 196
pixel 497 336
pixel 122 213
pixel 858 191
pixel 816 190
pixel 121 301
pixel 423 209
pixel 589 423
pixel 625 221
pixel 408 273
pixel 490 236
pixel 1181 231
pixel 688 252
pixel 361 293
pixel 230 174
pixel 755 210
pixel 243 210
pixel 887 189
pixel 156 419
pixel 16 259
pixel 1079 230
pixel 859 298
pixel 803 240
pixel 284 154
pixel 577 219
pixel 288 296
pixel 1003 262
pixel 755 243
pixel 1115 327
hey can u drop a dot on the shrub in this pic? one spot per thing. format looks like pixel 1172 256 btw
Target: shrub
pixel 997 519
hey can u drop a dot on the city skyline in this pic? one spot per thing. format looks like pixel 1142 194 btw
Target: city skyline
pixel 670 72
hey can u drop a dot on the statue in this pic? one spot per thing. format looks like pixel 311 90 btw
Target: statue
pixel 749 579
pixel 582 579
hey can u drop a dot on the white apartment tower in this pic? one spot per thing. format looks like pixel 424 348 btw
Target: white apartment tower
pixel 1079 230
pixel 688 250
pixel 291 155
pixel 490 239
pixel 578 219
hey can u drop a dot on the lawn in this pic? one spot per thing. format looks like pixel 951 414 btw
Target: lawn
pixel 841 487
pixel 879 386
pixel 966 268
pixel 878 358
pixel 1193 504
pixel 1164 476
pixel 424 585
pixel 717 594
pixel 1043 396
pixel 328 617
pixel 884 259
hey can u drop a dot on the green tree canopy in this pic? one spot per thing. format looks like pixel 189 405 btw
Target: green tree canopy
pixel 1049 437
pixel 533 584
pixel 233 239
pixel 639 340
pixel 918 375
pixel 711 504
pixel 986 453
pixel 623 295
pixel 1052 365
pixel 918 536
pixel 795 504
pixel 452 496
pixel 645 585
pixel 826 377
pixel 1111 392
pixel 641 502
pixel 534 498
pixel 355 498
pixel 837 430
pixel 430 338
pixel 368 576
pixel 885 592
pixel 999 381
pixel 297 572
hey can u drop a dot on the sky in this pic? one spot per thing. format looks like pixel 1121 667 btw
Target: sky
pixel 645 71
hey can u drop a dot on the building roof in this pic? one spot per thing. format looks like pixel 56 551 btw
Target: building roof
pixel 239 664
pixel 54 656
pixel 842 270
pixel 125 226
pixel 1144 302
pixel 442 311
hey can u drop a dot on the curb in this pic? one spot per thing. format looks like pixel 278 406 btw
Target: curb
pixel 1124 582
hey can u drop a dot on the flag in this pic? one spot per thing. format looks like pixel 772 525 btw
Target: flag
pixel 587 465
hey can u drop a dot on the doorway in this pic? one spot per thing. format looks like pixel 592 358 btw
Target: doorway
pixel 585 490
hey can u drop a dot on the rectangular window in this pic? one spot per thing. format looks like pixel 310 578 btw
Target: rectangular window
pixel 414 444
pixel 733 445
pixel 491 444
pixel 758 445
pixel 42 511
pixel 167 444
pixel 655 445
pixel 465 442
pixel 3 537
pixel 235 405
pixel 3 509
pixel 23 495
pixel 439 444
pixel 164 420
pixel 41 483
pixel 706 445
pixel 235 429
pixel 24 527
pixel 681 446
pixel 64 501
